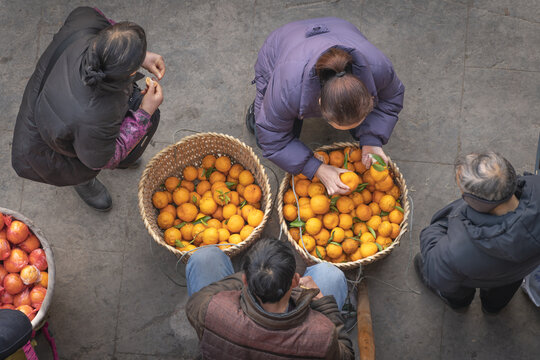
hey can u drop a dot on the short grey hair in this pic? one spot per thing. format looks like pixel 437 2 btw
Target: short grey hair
pixel 486 175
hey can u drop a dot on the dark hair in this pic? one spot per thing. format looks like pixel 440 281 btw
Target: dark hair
pixel 114 54
pixel 269 267
pixel 344 98
pixel 486 175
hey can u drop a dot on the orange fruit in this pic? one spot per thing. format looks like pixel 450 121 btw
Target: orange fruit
pixel 221 196
pixel 223 234
pixel 350 179
pixel 246 209
pixel 345 204
pixel 289 212
pixel 229 210
pixel 208 161
pixel 217 176
pixel 316 189
pixel 288 197
pixel 366 194
pixel 218 214
pixel 235 223
pixel 187 212
pixel 171 235
pixel 181 195
pixel 207 206
pixel 395 231
pixel 165 220
pixel 246 231
pixel 169 208
pixel 187 185
pixel 333 251
pixel 357 255
pixel 223 245
pixel 187 232
pixel 322 237
pixel 187 247
pixel 160 199
pixel 313 226
pixel 301 187
pixel 172 183
pixel 197 233
pixel 306 212
pixel 374 222
pixel 349 246
pixel 223 164
pixel 394 192
pixel 337 234
pixel 321 155
pixel 203 186
pixel 308 242
pixel 336 158
pixel 319 252
pixel 378 175
pixel 385 184
pixel 366 237
pixel 385 229
pixel 395 216
pixel 255 217
pixel 215 223
pixel 363 212
pixel 384 241
pixel 194 198
pixel 377 195
pixel 245 178
pixel 320 204
pixel 345 221
pixel 357 198
pixel 235 239
pixel 240 189
pixel 234 198
pixel 359 167
pixel 210 236
pixel 387 203
pixel 375 209
pixel 331 220
pixel 295 233
pixel 360 228
pixel 235 171
pixel 341 259
pixel 252 193
pixel 355 155
pixel 189 173
pixel 218 184
pixel 368 249
pixel 303 201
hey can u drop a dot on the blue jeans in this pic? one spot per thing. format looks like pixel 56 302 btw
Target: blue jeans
pixel 210 264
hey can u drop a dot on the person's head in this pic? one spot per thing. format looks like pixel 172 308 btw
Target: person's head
pixel 345 100
pixel 269 267
pixel 485 179
pixel 114 54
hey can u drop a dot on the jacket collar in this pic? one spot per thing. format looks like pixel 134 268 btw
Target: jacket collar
pixel 301 298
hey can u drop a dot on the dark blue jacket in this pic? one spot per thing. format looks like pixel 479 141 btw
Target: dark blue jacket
pixel 465 248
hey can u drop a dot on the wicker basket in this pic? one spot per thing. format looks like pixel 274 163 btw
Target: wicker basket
pixel 308 258
pixel 190 151
pixel 41 315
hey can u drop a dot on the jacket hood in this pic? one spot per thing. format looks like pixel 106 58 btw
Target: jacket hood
pixel 514 236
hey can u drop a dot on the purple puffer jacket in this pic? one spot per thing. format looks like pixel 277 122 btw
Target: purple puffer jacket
pixel 288 88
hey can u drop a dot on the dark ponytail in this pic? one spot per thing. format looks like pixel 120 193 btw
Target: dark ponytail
pixel 345 100
pixel 113 55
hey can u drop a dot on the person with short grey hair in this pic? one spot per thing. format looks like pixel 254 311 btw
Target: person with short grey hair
pixel 489 239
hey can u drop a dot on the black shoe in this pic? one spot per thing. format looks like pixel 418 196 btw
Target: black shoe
pixel 133 165
pixel 250 118
pixel 95 195
pixel 418 265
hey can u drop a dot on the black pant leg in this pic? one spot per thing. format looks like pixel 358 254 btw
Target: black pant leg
pixel 495 299
pixel 460 298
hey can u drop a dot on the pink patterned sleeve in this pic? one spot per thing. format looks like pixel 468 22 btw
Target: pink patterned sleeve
pixel 132 130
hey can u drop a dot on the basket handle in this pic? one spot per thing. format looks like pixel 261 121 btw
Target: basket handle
pixel 183 130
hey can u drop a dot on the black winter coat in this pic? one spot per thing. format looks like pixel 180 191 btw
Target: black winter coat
pixel 69 129
pixel 465 248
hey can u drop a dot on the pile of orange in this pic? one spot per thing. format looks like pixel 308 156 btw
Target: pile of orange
pixel 215 203
pixel 345 228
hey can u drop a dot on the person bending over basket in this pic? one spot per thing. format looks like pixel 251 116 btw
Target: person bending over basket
pixel 322 67
pixel 267 310
pixel 82 111
pixel 489 239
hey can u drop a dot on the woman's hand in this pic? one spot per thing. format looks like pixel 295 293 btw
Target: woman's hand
pixel 329 176
pixel 154 64
pixel 368 150
pixel 153 97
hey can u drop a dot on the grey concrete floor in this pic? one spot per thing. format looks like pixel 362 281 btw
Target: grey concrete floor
pixel 472 74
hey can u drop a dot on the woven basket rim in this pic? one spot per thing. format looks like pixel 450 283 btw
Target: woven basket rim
pixel 266 201
pixel 41 315
pixel 310 259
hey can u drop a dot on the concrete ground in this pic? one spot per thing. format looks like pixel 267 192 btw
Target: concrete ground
pixel 471 70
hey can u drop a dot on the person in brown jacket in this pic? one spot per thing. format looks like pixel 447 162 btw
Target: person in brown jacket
pixel 266 311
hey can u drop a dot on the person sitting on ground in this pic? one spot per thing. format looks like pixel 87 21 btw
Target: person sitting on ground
pixel 267 310
pixel 489 239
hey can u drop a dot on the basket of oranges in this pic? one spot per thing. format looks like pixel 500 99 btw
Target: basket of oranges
pixel 206 189
pixel 26 267
pixel 349 230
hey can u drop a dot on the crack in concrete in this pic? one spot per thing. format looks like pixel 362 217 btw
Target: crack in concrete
pixel 499 68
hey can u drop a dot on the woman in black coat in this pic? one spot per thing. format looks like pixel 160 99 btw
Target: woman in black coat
pixel 81 111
